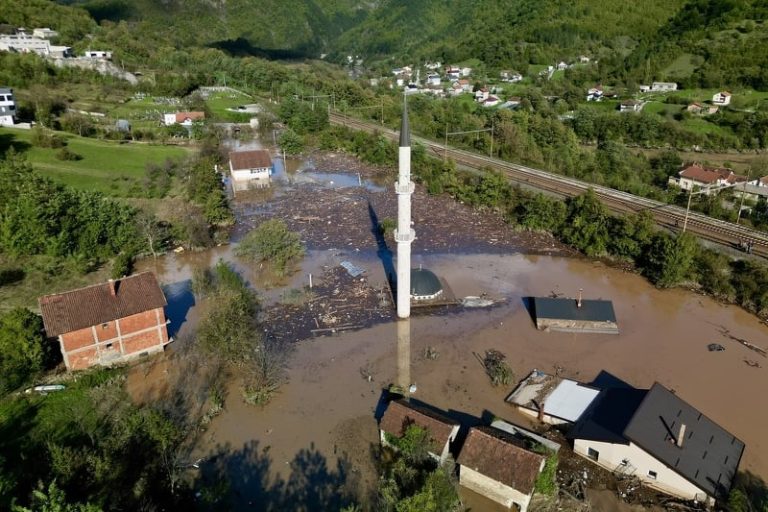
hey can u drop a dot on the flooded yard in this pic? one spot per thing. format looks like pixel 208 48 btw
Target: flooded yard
pixel 320 427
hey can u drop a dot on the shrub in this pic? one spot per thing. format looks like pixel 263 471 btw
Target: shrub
pixel 497 368
pixel 274 243
pixel 68 155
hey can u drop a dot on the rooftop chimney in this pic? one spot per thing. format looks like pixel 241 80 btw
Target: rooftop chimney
pixel 112 287
pixel 578 301
pixel 681 436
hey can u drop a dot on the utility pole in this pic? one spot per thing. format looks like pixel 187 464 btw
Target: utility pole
pixel 743 193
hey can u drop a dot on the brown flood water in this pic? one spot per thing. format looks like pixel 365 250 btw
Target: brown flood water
pixel 327 407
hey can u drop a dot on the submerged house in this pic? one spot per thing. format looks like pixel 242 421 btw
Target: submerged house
pixel 552 399
pixel 500 466
pixel 401 414
pixel 107 323
pixel 662 440
pixel 250 168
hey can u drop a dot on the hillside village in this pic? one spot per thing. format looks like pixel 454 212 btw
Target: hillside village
pixel 521 271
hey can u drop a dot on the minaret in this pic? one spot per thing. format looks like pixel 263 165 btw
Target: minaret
pixel 404 235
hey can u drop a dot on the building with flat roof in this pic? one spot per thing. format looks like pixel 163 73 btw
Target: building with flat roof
pixel 552 399
pixel 575 315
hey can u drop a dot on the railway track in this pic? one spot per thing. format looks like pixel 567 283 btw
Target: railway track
pixel 666 215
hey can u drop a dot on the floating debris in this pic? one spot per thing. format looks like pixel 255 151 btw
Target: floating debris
pixel 352 269
pixel 472 301
pixel 715 347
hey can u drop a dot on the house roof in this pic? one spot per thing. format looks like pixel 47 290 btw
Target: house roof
pixel 724 93
pixel 253 159
pixel 608 416
pixel 709 455
pixel 192 116
pixel 502 457
pixel 561 398
pixel 94 305
pixel 401 414
pixel 709 175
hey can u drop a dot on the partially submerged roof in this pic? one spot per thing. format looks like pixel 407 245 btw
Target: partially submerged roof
pixel 97 304
pixel 608 416
pixel 561 398
pixel 568 309
pixel 424 282
pixel 708 456
pixel 401 414
pixel 253 159
pixel 500 456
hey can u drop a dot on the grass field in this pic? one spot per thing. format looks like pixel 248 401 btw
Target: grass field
pixel 108 167
pixel 221 101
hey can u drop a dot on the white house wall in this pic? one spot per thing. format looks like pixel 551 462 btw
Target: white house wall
pixel 612 455
pixel 492 489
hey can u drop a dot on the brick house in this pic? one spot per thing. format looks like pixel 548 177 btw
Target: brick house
pixel 107 323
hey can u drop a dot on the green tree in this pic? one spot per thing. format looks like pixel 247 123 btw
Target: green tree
pixel 273 242
pixel 22 352
pixel 53 499
pixel 670 259
pixel 586 224
pixel 291 142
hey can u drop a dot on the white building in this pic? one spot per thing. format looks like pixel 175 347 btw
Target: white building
pixel 250 169
pixel 630 106
pixel 663 86
pixel 465 72
pixel 97 54
pixel 697 176
pixel 7 107
pixel 433 79
pixel 551 399
pixel 183 118
pixel 24 43
pixel 499 466
pixel 401 414
pixel 722 98
pixel 44 33
pixel 663 441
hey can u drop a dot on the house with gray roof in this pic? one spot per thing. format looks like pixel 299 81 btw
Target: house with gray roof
pixel 662 440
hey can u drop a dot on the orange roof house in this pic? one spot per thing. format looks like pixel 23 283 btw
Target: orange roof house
pixel 107 323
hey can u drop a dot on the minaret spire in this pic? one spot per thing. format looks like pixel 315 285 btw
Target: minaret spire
pixel 404 235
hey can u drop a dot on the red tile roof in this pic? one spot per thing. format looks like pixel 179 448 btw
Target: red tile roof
pixel 192 116
pixel 500 456
pixel 707 175
pixel 401 414
pixel 94 305
pixel 255 159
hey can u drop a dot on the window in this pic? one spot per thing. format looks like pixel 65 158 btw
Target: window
pixel 104 326
pixel 652 474
pixel 108 346
pixel 593 454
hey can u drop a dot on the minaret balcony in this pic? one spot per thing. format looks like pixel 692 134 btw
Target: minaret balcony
pixel 407 188
pixel 405 237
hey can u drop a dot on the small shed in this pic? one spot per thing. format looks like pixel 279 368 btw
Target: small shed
pixel 552 399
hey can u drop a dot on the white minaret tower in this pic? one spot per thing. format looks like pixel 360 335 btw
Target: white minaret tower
pixel 404 235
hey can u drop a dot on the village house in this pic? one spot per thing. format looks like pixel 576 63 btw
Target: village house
pixel 183 118
pixel 466 85
pixel 754 190
pixel 630 106
pixel 432 66
pixel 453 72
pixel 97 54
pixel 562 66
pixel 645 88
pixel 698 109
pixel 500 466
pixel 22 42
pixel 44 33
pixel 250 169
pixel 512 102
pixel 7 107
pixel 433 79
pixel 697 176
pixel 492 101
pixel 456 89
pixel 551 399
pixel 123 126
pixel 401 414
pixel 107 323
pixel 583 59
pixel 663 86
pixel 721 98
pixel 482 94
pixel 465 72
pixel 659 438
pixel 510 76
pixel 595 93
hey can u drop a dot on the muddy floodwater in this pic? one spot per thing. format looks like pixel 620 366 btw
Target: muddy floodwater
pixel 319 429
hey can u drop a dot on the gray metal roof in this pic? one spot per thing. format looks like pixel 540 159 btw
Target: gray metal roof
pixel 566 309
pixel 608 416
pixel 405 130
pixel 424 282
pixel 709 455
pixel 5 90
